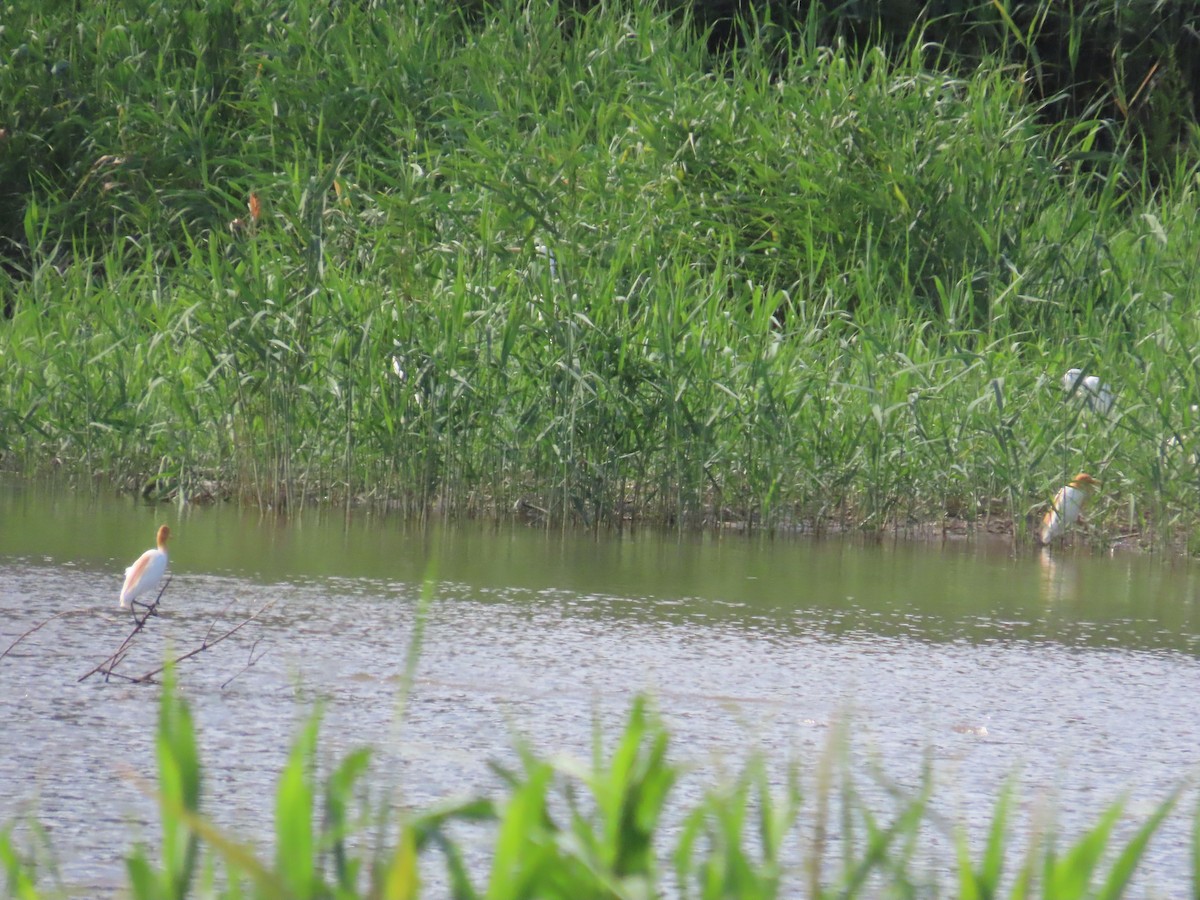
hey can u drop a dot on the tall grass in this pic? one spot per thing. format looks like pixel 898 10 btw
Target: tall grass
pixel 572 264
pixel 572 829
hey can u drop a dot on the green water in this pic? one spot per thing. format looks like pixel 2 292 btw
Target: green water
pixel 976 590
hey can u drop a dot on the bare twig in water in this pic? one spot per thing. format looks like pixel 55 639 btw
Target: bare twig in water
pixel 109 665
pixel 253 659
pixel 213 626
pixel 151 609
pixel 32 630
pixel 206 644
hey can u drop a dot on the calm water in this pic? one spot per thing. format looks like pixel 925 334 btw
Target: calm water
pixel 1074 674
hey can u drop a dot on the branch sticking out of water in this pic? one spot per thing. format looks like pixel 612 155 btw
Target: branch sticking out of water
pixel 149 609
pixel 206 644
pixel 44 622
pixel 249 662
pixel 108 666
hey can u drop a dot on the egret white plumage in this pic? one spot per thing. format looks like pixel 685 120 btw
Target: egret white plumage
pixel 147 571
pixel 1097 395
pixel 543 250
pixel 1066 506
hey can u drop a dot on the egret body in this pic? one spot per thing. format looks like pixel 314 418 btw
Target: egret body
pixel 1067 505
pixel 147 571
pixel 1097 395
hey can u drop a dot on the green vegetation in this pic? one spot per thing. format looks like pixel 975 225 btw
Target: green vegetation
pixel 578 264
pixel 565 829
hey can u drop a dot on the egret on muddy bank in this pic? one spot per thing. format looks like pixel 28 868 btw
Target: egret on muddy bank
pixel 1066 506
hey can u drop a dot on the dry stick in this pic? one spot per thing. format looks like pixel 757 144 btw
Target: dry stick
pixel 253 659
pixel 115 660
pixel 204 646
pixel 32 630
pixel 218 619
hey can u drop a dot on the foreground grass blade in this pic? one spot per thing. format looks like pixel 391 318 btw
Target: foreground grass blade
pixel 983 883
pixel 18 874
pixel 179 782
pixel 1131 855
pixel 295 848
pixel 630 793
pixel 337 823
pixel 727 866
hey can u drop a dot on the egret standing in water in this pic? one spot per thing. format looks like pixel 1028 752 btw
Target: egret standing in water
pixel 145 574
pixel 1067 505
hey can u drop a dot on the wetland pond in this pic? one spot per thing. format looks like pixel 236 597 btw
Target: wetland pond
pixel 1073 675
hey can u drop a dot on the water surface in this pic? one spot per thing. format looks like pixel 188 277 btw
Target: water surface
pixel 1073 673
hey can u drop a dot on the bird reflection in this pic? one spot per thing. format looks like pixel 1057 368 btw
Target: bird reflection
pixel 1059 578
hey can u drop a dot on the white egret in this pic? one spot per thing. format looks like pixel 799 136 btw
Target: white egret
pixel 1067 505
pixel 147 571
pixel 1098 396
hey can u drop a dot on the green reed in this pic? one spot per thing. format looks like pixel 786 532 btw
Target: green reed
pixel 574 265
